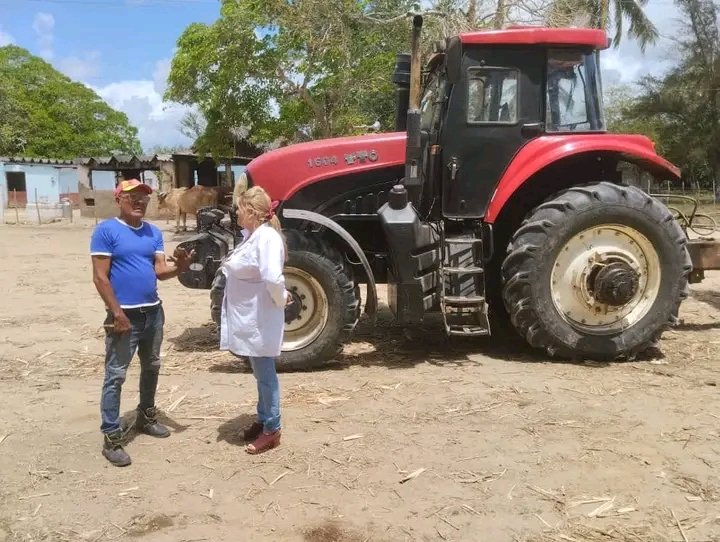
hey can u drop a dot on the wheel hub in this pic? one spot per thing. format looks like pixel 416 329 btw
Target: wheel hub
pixel 605 279
pixel 308 315
pixel 615 284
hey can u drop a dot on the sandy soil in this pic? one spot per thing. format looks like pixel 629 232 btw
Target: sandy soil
pixel 503 443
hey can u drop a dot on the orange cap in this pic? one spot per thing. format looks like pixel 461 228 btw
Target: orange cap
pixel 131 184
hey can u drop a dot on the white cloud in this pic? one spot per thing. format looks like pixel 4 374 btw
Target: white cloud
pixel 81 68
pixel 627 63
pixel 43 25
pixel 160 74
pixel 5 38
pixel 141 100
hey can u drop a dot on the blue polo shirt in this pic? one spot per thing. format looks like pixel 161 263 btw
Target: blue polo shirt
pixel 132 260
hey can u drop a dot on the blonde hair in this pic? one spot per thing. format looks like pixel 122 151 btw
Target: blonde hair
pixel 256 204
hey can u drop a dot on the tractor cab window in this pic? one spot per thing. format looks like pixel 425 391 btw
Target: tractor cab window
pixel 573 100
pixel 492 96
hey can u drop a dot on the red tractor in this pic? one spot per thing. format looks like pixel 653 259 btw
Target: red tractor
pixel 499 194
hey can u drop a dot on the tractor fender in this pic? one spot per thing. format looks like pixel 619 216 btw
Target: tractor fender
pixel 546 150
pixel 300 214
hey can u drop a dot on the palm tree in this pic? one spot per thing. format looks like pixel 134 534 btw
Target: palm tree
pixel 610 15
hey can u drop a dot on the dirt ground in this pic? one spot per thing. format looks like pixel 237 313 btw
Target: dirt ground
pixel 498 443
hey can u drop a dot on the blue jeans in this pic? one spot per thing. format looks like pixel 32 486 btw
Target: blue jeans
pixel 145 337
pixel 268 386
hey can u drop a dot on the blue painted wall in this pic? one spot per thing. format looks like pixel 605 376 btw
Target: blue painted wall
pixel 68 181
pixel 103 180
pixel 46 179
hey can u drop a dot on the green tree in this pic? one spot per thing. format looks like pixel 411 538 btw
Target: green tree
pixel 303 69
pixel 681 110
pixel 610 15
pixel 44 113
pixel 13 123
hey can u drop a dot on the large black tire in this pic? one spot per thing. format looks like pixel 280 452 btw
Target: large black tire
pixel 312 257
pixel 527 271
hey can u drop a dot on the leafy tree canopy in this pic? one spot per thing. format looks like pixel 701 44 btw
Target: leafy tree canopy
pixel 303 69
pixel 45 114
pixel 279 70
pixel 680 111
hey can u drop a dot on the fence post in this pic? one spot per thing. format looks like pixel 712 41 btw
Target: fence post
pixel 37 207
pixel 17 216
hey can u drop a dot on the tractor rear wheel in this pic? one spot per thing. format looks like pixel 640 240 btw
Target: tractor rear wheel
pixel 598 272
pixel 317 276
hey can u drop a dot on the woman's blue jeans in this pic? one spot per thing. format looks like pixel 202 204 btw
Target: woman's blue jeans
pixel 268 386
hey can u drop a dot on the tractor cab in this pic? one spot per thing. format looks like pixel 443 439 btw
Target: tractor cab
pixel 487 94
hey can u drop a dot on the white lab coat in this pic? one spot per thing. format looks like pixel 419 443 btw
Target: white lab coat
pixel 253 315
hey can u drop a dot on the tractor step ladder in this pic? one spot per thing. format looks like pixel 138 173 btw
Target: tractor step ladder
pixel 464 312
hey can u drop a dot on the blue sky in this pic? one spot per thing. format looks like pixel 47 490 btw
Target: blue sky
pixel 122 49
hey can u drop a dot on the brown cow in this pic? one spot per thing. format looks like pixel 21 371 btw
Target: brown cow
pixel 189 200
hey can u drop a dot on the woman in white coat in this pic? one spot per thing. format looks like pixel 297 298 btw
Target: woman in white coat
pixel 253 315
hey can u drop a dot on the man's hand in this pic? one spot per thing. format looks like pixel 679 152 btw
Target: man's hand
pixel 182 259
pixel 101 278
pixel 121 324
pixel 292 308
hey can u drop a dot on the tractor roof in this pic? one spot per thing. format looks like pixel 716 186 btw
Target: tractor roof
pixel 535 35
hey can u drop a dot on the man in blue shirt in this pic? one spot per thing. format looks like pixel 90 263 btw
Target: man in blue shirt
pixel 128 256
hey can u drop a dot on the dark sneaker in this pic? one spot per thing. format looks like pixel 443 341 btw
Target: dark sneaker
pixel 113 450
pixel 147 423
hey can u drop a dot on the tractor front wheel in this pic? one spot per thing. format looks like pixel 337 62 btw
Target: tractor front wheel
pixel 598 272
pixel 328 299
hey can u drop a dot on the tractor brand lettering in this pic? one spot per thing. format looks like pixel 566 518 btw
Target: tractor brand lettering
pixel 361 157
pixel 321 161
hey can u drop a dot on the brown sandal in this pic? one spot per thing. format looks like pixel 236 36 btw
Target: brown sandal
pixel 265 442
pixel 253 432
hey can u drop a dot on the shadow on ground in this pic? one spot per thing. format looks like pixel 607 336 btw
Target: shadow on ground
pixel 384 344
pixel 709 298
pixel 197 339
pixel 127 422
pixel 232 430
pixel 389 345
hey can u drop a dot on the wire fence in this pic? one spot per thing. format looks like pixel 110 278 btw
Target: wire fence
pixel 16 208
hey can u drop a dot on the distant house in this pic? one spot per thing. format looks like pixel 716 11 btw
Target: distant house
pixel 45 180
pixel 164 172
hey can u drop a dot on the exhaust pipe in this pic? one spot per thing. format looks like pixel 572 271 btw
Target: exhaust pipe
pixel 415 64
pixel 413 150
pixel 401 78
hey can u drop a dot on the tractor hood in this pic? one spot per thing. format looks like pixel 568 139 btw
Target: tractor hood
pixel 282 172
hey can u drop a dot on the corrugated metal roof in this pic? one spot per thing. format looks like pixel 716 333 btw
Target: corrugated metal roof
pixel 130 161
pixel 34 160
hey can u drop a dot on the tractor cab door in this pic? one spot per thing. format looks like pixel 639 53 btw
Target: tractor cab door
pixel 493 110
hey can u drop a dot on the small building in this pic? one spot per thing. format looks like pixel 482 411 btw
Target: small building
pixel 98 177
pixel 46 181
